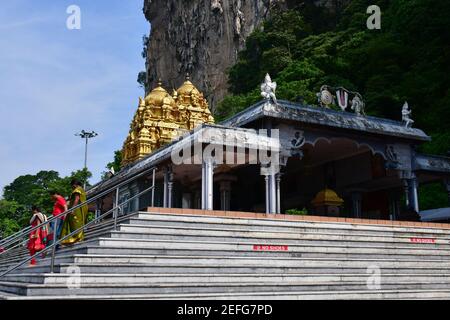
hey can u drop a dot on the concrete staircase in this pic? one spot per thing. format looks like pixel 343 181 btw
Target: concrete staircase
pixel 156 255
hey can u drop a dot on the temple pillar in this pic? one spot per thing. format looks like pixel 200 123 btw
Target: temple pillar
pixel 357 204
pixel 168 187
pixel 207 184
pixel 273 193
pixel 410 185
pixel 278 181
pixel 405 185
pixel 394 204
pixel 186 202
pixel 271 190
pixel 225 195
pixel 266 180
pixel 414 195
pixel 225 180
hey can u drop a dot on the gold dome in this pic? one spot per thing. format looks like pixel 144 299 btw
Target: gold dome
pixel 158 97
pixel 327 197
pixel 187 88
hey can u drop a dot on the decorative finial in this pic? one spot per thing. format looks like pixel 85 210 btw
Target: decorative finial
pixel 187 76
pixel 159 82
pixel 325 97
pixel 406 115
pixel 268 89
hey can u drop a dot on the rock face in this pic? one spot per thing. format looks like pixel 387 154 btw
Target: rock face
pixel 199 37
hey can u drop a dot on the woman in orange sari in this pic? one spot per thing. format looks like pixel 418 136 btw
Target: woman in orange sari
pixel 38 237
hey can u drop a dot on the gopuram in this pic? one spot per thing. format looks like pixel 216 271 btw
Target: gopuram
pixel 331 159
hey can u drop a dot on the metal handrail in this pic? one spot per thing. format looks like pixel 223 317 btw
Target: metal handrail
pixel 28 229
pixel 24 230
pixel 58 242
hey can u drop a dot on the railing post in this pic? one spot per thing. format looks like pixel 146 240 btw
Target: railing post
pixel 153 189
pixel 55 239
pixel 116 211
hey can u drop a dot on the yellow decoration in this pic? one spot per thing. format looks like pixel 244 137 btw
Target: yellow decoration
pixel 162 117
pixel 327 197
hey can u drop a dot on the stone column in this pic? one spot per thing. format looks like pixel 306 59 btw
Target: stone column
pixel 357 204
pixel 278 181
pixel 207 184
pixel 273 193
pixel 394 204
pixel 414 183
pixel 266 179
pixel 410 185
pixel 168 186
pixel 406 191
pixel 225 195
pixel 271 190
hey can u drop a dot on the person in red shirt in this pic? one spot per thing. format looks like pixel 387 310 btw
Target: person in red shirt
pixel 59 207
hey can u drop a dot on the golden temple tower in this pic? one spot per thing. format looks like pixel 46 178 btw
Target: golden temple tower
pixel 161 117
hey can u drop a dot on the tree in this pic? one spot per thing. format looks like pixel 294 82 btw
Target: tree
pixel 28 190
pixel 115 164
pixel 12 217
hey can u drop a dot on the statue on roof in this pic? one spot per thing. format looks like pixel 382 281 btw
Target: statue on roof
pixel 406 115
pixel 325 97
pixel 268 89
pixel 358 105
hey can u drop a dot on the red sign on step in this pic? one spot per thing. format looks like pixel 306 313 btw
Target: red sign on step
pixel 257 247
pixel 422 240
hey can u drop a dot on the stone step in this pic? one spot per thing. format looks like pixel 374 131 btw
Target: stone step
pixel 160 248
pixel 251 261
pixel 319 295
pixel 401 251
pixel 229 287
pixel 230 222
pixel 196 234
pixel 145 224
pixel 138 278
pixel 92 268
pixel 237 263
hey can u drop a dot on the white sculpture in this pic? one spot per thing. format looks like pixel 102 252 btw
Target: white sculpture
pixel 358 105
pixel 342 98
pixel 325 97
pixel 268 89
pixel 406 112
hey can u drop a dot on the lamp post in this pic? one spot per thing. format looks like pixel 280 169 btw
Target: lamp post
pixel 86 135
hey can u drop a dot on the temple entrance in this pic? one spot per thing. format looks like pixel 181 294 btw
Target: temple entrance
pixel 341 173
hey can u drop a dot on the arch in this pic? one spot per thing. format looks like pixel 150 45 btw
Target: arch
pixel 358 145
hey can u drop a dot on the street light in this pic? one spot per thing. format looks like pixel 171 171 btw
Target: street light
pixel 86 135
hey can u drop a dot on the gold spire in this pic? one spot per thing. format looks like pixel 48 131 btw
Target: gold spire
pixel 161 117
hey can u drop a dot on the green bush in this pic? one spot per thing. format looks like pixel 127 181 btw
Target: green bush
pixel 298 212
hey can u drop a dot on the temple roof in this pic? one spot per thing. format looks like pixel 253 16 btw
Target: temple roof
pixel 325 117
pixel 433 163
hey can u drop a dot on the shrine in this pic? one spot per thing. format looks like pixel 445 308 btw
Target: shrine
pixel 329 161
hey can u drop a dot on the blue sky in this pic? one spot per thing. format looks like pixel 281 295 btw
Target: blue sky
pixel 55 82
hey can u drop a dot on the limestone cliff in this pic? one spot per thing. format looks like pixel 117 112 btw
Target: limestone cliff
pixel 200 37
pixel 203 38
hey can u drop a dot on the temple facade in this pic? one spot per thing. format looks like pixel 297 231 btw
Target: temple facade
pixel 322 161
